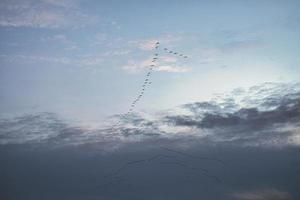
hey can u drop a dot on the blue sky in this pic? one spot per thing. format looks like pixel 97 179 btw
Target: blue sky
pixel 86 60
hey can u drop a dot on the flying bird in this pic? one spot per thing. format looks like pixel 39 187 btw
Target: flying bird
pixel 147 78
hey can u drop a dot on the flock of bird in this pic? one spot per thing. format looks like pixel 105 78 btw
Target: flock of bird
pixel 114 176
pixel 175 159
pixel 147 80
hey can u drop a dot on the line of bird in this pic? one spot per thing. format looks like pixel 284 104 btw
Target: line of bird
pixel 147 80
pixel 163 158
pixel 166 159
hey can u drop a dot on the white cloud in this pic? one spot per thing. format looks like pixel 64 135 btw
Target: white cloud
pixel 173 68
pixel 165 63
pixel 43 14
pixel 146 44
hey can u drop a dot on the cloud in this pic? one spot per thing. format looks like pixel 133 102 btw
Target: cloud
pixel 146 44
pixel 269 118
pixel 82 60
pixel 173 68
pixel 266 194
pixel 43 14
pixel 164 64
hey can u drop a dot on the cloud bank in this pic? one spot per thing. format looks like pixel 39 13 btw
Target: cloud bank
pixel 264 115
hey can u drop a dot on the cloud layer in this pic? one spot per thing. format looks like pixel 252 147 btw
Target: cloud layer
pixel 264 115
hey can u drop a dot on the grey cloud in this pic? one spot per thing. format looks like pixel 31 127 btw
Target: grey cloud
pixel 198 107
pixel 49 130
pixel 253 118
pixel 270 114
pixel 275 117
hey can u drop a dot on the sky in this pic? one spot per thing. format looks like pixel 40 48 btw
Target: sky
pixel 71 69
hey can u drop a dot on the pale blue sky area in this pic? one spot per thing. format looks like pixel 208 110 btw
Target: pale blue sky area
pixel 86 60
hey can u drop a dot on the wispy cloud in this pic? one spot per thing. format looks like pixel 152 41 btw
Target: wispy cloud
pixel 82 60
pixel 43 14
pixel 165 64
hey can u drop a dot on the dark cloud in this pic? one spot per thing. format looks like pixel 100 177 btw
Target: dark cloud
pixel 275 117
